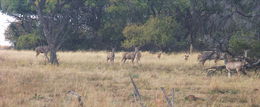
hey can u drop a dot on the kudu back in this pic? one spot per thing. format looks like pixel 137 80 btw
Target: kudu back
pixel 210 55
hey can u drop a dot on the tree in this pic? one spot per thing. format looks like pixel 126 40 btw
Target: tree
pixel 55 22
pixel 231 17
pixel 56 18
pixel 28 41
pixel 242 41
pixel 13 31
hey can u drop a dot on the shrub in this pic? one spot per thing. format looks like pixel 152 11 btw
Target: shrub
pixel 28 41
pixel 245 41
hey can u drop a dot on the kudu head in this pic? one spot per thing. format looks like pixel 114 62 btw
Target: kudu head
pixel 244 60
pixel 186 56
pixel 227 58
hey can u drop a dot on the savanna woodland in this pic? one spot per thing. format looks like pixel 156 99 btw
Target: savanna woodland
pixel 80 30
pixel 167 25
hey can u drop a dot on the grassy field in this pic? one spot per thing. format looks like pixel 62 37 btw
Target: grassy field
pixel 26 81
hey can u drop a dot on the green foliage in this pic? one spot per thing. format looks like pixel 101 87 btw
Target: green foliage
pixel 16 6
pixel 152 24
pixel 28 41
pixel 17 29
pixel 158 31
pixel 13 32
pixel 162 31
pixel 241 41
pixel 134 36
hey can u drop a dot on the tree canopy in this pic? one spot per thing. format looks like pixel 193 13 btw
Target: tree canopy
pixel 167 25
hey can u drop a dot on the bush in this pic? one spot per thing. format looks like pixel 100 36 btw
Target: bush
pixel 161 32
pixel 28 41
pixel 245 41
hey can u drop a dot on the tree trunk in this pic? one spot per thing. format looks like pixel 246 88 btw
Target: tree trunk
pixel 191 43
pixel 53 57
pixel 245 53
pixel 191 48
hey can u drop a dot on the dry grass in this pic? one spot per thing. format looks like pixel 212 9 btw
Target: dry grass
pixel 26 81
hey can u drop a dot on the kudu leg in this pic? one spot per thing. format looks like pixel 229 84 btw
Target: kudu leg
pixel 216 61
pixel 46 55
pixel 229 73
pixel 241 71
pixel 113 60
pixel 203 62
pixel 244 72
pixel 123 60
pixel 132 60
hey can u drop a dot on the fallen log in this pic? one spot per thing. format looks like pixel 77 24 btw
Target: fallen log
pixel 79 98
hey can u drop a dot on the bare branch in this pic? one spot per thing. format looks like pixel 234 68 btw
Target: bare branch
pixel 166 97
pixel 173 97
pixel 136 92
pixel 245 15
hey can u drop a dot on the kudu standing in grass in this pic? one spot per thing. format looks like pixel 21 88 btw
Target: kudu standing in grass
pixel 239 66
pixel 186 56
pixel 129 55
pixel 43 49
pixel 159 55
pixel 111 56
pixel 138 56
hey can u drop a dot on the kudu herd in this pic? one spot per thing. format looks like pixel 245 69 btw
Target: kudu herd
pixel 238 64
pixel 231 63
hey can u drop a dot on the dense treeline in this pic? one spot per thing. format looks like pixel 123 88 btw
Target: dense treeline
pixel 167 25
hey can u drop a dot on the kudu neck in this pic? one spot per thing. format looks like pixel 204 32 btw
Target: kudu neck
pixel 226 59
pixel 135 52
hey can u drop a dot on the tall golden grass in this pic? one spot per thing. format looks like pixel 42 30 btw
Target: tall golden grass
pixel 27 81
